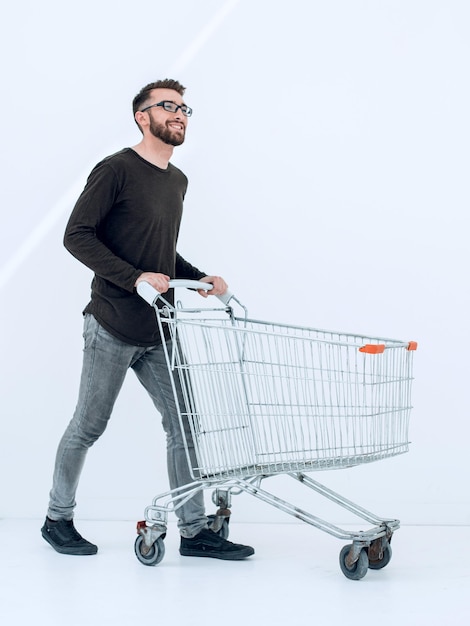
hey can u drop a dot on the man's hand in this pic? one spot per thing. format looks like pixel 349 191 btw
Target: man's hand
pixel 218 289
pixel 160 282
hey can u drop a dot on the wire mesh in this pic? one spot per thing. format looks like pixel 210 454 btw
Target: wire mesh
pixel 265 398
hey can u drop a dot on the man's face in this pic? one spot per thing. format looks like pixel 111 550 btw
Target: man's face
pixel 167 126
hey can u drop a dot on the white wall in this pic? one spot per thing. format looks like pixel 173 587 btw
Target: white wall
pixel 328 162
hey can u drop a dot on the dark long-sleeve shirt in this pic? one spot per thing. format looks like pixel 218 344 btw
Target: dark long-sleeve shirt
pixel 125 222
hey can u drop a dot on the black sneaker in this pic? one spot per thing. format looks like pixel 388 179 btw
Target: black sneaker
pixel 207 543
pixel 64 538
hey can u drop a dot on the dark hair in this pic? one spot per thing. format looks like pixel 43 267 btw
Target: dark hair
pixel 142 96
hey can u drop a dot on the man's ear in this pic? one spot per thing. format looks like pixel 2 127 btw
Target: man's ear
pixel 140 118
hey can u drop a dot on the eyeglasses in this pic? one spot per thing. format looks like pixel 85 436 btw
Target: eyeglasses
pixel 171 107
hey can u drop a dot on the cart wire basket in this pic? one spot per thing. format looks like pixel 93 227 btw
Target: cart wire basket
pixel 263 399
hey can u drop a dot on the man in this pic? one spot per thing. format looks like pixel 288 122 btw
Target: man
pixel 124 227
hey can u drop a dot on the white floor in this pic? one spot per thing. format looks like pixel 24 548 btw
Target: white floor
pixel 294 578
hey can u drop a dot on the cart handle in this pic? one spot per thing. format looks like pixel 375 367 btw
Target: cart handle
pixel 151 295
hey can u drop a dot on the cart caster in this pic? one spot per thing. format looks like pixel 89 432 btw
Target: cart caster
pixel 223 528
pixel 152 555
pixel 378 559
pixel 356 570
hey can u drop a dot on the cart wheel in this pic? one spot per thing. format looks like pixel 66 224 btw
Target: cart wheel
pixel 151 556
pixel 385 560
pixel 224 530
pixel 358 569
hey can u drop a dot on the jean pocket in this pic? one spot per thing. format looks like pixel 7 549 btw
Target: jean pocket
pixel 90 330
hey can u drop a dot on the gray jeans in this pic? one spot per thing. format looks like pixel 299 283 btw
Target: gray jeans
pixel 106 361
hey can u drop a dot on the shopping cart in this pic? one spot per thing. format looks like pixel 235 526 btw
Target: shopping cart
pixel 264 399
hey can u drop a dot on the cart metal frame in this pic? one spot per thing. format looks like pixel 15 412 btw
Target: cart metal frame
pixel 264 399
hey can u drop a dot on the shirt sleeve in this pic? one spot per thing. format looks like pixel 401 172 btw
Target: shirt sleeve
pixel 81 237
pixel 184 269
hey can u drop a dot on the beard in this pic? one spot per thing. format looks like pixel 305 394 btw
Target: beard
pixel 167 135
